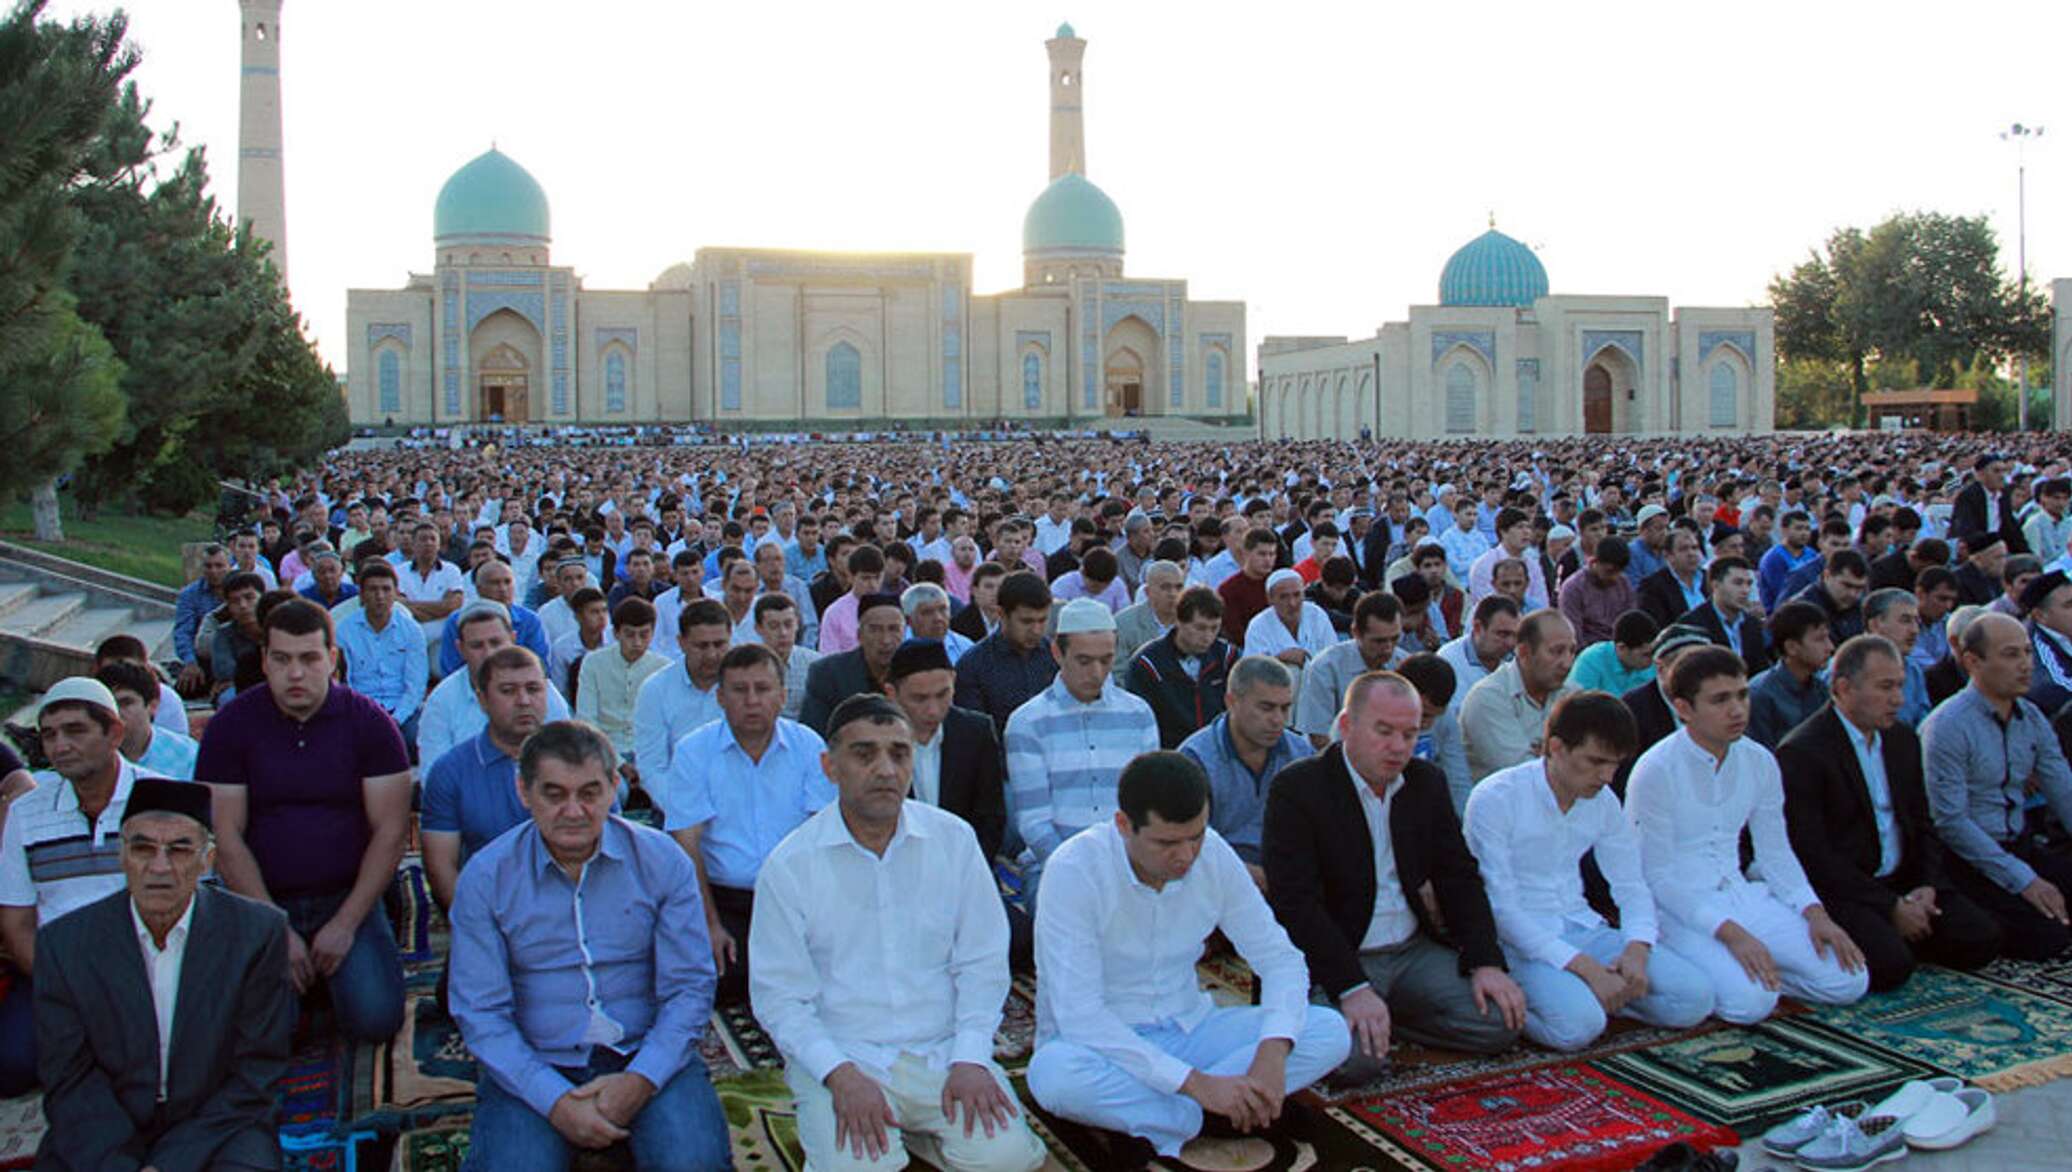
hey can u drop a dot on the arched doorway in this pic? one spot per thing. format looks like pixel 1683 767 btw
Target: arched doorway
pixel 504 387
pixel 1131 372
pixel 1597 400
pixel 1125 382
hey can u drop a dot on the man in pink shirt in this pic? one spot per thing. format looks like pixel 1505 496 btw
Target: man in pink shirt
pixel 838 625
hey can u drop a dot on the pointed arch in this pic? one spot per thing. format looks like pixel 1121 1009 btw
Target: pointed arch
pixel 1464 382
pixel 1726 384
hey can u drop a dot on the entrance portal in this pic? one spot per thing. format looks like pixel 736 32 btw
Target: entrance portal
pixel 1597 400
pixel 1125 383
pixel 504 394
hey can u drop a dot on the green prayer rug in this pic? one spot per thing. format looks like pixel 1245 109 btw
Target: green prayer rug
pixel 1751 1077
pixel 1983 1030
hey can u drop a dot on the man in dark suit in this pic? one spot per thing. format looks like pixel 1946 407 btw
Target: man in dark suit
pixel 1903 566
pixel 1978 575
pixel 880 625
pixel 1857 811
pixel 1839 594
pixel 1726 618
pixel 159 1046
pixel 1986 505
pixel 1679 585
pixel 1368 807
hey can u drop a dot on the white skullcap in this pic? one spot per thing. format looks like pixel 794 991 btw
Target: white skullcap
pixel 1279 576
pixel 1083 615
pixel 80 689
pixel 1561 533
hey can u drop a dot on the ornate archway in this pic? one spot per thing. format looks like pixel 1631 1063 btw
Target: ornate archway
pixel 503 386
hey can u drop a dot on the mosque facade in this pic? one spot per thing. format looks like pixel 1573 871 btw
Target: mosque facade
pixel 768 337
pixel 1499 356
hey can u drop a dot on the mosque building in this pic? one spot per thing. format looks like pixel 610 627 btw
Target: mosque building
pixel 769 337
pixel 1499 356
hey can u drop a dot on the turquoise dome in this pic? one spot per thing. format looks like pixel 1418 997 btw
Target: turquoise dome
pixel 492 199
pixel 1493 269
pixel 1072 215
pixel 1065 31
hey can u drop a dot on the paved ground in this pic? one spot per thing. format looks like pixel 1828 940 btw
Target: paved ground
pixel 2034 1135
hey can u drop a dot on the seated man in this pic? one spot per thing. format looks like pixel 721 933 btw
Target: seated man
pixel 452 714
pixel 1003 670
pixel 1529 826
pixel 1691 796
pixel 1438 733
pixel 1184 673
pixel 609 681
pixel 153 749
pixel 585 1030
pixel 777 627
pixel 1376 632
pixel 1622 662
pixel 1126 1039
pixel 1069 742
pixel 1857 810
pixel 384 649
pixel 1505 712
pixel 116 1096
pixel 1783 696
pixel 470 793
pixel 675 703
pixel 734 789
pixel 1351 838
pixel 883 1042
pixel 494 582
pixel 879 626
pixel 1244 749
pixel 1985 750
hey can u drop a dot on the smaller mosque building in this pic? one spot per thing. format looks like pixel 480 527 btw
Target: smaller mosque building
pixel 1499 356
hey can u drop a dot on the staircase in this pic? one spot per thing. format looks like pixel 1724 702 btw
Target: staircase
pixel 1180 429
pixel 53 613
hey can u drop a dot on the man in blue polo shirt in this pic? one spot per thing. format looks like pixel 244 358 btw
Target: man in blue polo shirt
pixel 1243 749
pixel 470 795
pixel 312 811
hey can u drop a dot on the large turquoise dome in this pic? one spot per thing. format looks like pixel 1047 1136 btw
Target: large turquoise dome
pixel 492 200
pixel 1072 215
pixel 1493 269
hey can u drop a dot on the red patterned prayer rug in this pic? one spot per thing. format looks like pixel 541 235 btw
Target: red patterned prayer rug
pixel 1567 1117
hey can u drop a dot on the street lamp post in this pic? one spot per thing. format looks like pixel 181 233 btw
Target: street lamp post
pixel 2020 135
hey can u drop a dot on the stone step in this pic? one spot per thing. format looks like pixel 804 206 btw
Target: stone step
pixel 15 594
pixel 157 635
pixel 41 613
pixel 88 627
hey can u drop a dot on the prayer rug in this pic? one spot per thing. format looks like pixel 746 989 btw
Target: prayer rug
pixel 1751 1077
pixel 322 1153
pixel 2048 978
pixel 1413 1067
pixel 1989 1032
pixel 1566 1117
pixel 21 1130
pixel 424 1072
pixel 315 1091
pixel 441 1147
pixel 410 907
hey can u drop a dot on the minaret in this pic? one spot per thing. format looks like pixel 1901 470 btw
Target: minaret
pixel 261 196
pixel 1067 128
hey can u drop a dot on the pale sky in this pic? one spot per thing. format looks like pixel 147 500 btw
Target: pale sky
pixel 1319 162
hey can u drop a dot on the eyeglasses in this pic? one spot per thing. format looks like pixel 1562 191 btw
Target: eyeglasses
pixel 146 850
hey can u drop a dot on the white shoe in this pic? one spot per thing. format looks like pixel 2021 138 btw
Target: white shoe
pixel 1907 1102
pixel 1950 1120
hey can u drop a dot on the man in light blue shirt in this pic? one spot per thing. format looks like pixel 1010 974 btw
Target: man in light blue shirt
pixel 384 650
pixel 1463 541
pixel 585 1027
pixel 734 789
pixel 1243 749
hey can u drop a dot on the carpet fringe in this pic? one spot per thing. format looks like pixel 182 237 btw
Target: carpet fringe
pixel 2028 1074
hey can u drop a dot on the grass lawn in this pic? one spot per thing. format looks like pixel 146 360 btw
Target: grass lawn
pixel 121 541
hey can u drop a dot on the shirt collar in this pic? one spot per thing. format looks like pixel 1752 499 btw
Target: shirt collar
pixel 1065 699
pixel 174 938
pixel 612 844
pixel 833 831
pixel 486 752
pixel 934 743
pixel 1361 786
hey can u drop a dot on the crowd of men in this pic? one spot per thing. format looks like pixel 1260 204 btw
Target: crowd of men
pixel 1450 743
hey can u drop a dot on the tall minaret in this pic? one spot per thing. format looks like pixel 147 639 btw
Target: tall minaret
pixel 261 196
pixel 1067 128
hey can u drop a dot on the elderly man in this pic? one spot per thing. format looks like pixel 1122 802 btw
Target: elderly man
pixel 193 604
pixel 1985 750
pixel 927 610
pixel 880 628
pixel 122 1097
pixel 772 577
pixel 494 582
pixel 1127 1040
pixel 470 795
pixel 1069 742
pixel 59 853
pixel 884 1007
pixel 735 788
pixel 1137 625
pixel 1244 749
pixel 1291 629
pixel 327 585
pixel 1374 646
pixel 312 813
pixel 585 1029
pixel 1505 712
pixel 1183 673
pixel 384 649
pixel 452 713
pixel 676 701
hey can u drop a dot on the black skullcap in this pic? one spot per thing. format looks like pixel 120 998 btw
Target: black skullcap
pixel 863 706
pixel 876 599
pixel 916 656
pixel 159 795
pixel 2040 587
pixel 1411 590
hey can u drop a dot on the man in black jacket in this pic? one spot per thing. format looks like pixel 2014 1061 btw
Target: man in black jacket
pixel 1352 838
pixel 1679 585
pixel 880 624
pixel 1726 618
pixel 1183 673
pixel 1986 505
pixel 1857 811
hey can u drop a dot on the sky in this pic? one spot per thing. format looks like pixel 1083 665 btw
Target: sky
pixel 1317 161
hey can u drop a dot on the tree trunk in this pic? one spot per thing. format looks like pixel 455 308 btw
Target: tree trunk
pixel 50 523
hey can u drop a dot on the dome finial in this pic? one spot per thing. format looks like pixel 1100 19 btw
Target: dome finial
pixel 1492 217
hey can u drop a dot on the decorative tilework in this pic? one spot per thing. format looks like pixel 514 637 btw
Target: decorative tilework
pixel 730 345
pixel 450 334
pixel 516 280
pixel 615 383
pixel 953 346
pixel 1176 354
pixel 390 381
pixel 1528 394
pixel 381 330
pixel 844 377
pixel 1215 355
pixel 606 335
pixel 530 306
pixel 1153 313
pixel 1090 345
pixel 1032 381
pixel 1483 342
pixel 1628 341
pixel 1742 340
pixel 557 286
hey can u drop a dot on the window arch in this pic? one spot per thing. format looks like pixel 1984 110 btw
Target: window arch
pixel 844 377
pixel 1212 377
pixel 615 383
pixel 388 370
pixel 1725 395
pixel 1032 381
pixel 1461 388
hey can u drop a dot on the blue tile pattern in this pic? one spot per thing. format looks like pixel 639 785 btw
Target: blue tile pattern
pixel 1493 269
pixel 1528 394
pixel 1742 340
pixel 558 289
pixel 450 335
pixel 1482 342
pixel 1630 342
pixel 399 330
pixel 730 345
pixel 389 368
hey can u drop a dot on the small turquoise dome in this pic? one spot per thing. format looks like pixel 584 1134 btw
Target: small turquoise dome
pixel 1493 269
pixel 1065 31
pixel 1072 215
pixel 492 198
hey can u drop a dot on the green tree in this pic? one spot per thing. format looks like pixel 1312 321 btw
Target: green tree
pixel 58 378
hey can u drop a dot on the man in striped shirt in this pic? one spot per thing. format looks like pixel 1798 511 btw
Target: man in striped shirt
pixel 1067 744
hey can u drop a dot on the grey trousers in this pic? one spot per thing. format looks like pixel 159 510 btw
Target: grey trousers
pixel 1430 1002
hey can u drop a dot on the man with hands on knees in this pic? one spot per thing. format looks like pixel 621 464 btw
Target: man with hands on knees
pixel 582 977
pixel 1126 1038
pixel 881 966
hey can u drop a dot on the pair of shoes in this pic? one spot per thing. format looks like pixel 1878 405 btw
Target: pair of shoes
pixel 1682 1157
pixel 1852 1145
pixel 1788 1137
pixel 1907 1102
pixel 1951 1119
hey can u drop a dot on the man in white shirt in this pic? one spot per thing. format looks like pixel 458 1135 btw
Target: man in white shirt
pixel 1529 827
pixel 677 701
pixel 1127 1040
pixel 1514 542
pixel 884 1006
pixel 431 587
pixel 1691 796
pixel 1503 715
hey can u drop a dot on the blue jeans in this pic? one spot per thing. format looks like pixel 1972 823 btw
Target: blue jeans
pixel 367 988
pixel 680 1130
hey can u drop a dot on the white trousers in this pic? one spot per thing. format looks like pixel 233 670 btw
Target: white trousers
pixel 1802 971
pixel 914 1092
pixel 1562 1013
